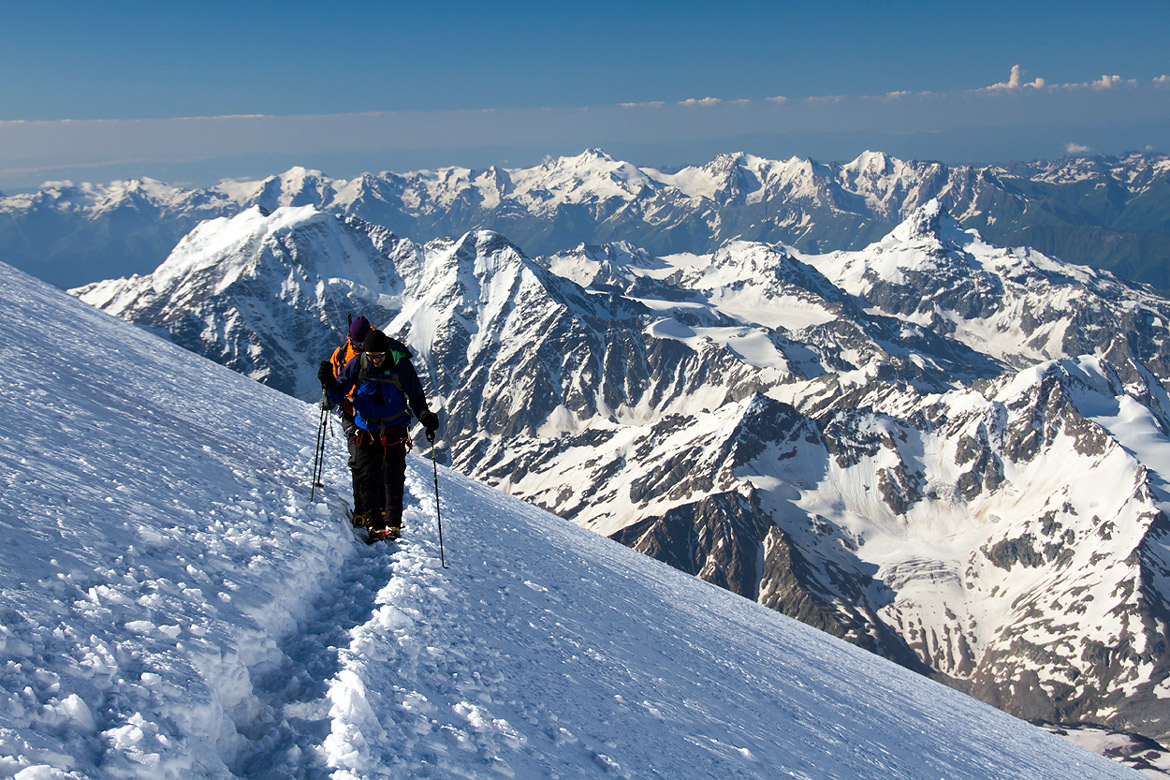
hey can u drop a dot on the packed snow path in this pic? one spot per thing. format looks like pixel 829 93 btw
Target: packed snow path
pixel 172 606
pixel 292 717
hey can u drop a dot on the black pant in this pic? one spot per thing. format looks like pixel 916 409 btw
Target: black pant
pixel 380 474
pixel 349 427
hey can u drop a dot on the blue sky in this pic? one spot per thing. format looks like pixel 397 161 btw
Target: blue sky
pixel 198 91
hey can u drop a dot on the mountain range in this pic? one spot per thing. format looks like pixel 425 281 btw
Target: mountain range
pixel 1104 212
pixel 949 452
pixel 176 603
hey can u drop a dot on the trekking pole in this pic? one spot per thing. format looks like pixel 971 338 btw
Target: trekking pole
pixel 319 450
pixel 438 514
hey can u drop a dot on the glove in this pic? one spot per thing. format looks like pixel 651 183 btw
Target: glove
pixel 430 421
pixel 326 404
pixel 325 373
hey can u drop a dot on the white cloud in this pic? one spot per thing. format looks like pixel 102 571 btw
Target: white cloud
pixel 1076 149
pixel 1108 82
pixel 1015 81
pixel 781 99
pixel 1104 83
pixel 707 101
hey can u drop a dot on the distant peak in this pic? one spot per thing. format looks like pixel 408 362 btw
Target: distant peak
pixel 923 222
pixel 300 172
pixel 871 162
pixel 729 159
pixel 484 242
pixel 587 157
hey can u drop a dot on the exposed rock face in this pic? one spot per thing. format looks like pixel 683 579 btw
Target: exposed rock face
pixel 893 444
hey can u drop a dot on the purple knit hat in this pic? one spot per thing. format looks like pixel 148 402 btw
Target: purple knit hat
pixel 358 329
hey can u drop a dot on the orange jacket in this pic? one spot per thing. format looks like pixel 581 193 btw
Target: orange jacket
pixel 340 357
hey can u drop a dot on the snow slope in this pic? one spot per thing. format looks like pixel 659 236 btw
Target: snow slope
pixel 174 606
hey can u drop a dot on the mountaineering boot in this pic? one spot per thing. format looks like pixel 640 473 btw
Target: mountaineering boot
pixel 393 522
pixel 375 528
pixel 389 530
pixel 381 534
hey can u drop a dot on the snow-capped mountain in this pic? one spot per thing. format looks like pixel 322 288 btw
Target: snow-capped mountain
pixel 259 293
pixel 1016 305
pixel 68 234
pixel 1101 212
pixel 972 484
pixel 173 606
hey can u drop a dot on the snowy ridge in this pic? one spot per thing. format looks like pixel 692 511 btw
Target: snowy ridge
pixel 173 606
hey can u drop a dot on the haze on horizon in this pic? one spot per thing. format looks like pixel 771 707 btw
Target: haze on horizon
pixel 195 93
